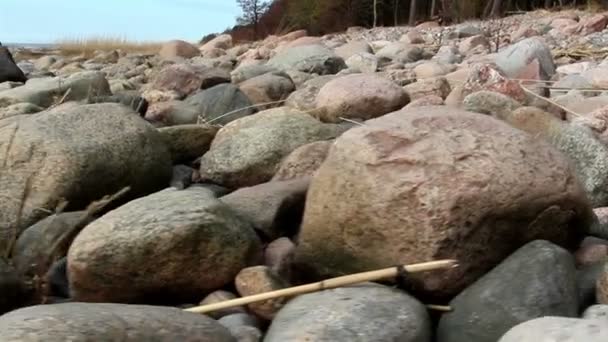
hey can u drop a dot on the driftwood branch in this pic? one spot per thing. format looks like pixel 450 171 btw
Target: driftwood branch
pixel 352 279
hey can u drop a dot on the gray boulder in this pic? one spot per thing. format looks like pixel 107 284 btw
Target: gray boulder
pixel 316 59
pixel 174 246
pixel 247 71
pixel 306 96
pixel 249 151
pixel 188 142
pixel 44 92
pixel 558 329
pixel 273 208
pixel 517 57
pixel 401 52
pixel 77 155
pixel 491 103
pixel 545 285
pixel 363 313
pixel 215 104
pixel 588 154
pixel 44 242
pixel 80 322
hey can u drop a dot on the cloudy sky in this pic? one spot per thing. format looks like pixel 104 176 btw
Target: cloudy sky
pixel 47 21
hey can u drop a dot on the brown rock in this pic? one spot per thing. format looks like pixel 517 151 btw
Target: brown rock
pixel 181 78
pixel 155 96
pixel 591 251
pixel 430 100
pixel 358 96
pixel 188 142
pixel 172 113
pixel 223 41
pixel 432 69
pixel 260 279
pixel 306 40
pixel 594 23
pixel 222 296
pixel 303 161
pixel 524 32
pixel 468 44
pixel 278 256
pixel 437 86
pixel 291 36
pixel 413 37
pixel 268 88
pixel 352 48
pixel 304 98
pixel 178 48
pixel 275 208
pixel 456 97
pixel 601 289
pixel 173 246
pixel 489 77
pixel 375 201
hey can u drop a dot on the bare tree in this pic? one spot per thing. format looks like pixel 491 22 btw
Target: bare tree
pixel 496 8
pixel 375 13
pixel 413 8
pixel 252 13
pixel 396 12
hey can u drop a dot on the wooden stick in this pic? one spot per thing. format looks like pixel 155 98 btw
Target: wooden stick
pixel 550 101
pixel 327 284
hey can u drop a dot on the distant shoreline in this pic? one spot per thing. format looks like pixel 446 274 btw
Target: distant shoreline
pixel 29 45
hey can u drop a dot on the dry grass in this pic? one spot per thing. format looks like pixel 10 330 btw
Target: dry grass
pixel 88 46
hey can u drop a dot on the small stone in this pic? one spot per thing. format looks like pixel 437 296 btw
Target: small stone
pixel 430 100
pixel 598 311
pixel 178 48
pixel 438 86
pixel 260 279
pixel 188 142
pixel 469 44
pixel 222 296
pixel 303 161
pixel 558 329
pixel 359 96
pixel 278 256
pixel 491 103
pixel 363 61
pixel 591 251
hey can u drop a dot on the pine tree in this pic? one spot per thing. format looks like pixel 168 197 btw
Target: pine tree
pixel 252 13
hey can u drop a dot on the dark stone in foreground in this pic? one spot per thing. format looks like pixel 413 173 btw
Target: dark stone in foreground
pixel 78 322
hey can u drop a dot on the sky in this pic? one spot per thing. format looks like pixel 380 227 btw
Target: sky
pixel 48 21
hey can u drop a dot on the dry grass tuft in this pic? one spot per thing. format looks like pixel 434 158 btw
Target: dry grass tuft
pixel 88 46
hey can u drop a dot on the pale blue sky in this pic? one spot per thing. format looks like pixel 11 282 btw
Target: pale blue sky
pixel 46 21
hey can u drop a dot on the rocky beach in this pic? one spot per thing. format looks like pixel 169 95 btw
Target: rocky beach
pixel 136 186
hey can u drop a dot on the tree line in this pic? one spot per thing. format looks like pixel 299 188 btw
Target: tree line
pixel 261 18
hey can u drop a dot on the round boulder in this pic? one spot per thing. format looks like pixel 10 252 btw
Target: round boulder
pixel 109 322
pixel 79 155
pixel 387 195
pixel 359 96
pixel 248 151
pixel 174 244
pixel 178 48
pixel 366 312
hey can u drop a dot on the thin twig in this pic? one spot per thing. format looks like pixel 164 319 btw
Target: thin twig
pixel 442 308
pixel 352 279
pixel 240 109
pixel 352 121
pixel 550 102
